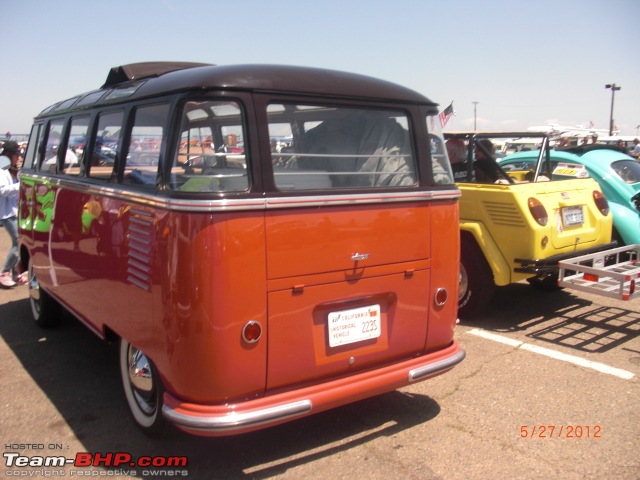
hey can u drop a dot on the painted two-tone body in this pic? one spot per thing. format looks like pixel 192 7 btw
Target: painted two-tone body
pixel 223 300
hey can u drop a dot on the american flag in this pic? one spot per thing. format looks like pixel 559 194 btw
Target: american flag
pixel 446 114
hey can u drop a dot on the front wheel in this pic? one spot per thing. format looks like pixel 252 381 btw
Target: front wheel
pixel 142 388
pixel 45 310
pixel 476 280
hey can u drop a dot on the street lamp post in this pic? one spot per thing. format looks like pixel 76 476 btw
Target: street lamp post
pixel 613 88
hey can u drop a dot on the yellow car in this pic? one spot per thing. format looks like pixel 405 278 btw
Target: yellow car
pixel 519 225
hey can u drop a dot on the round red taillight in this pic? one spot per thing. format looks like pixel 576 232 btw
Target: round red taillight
pixel 538 211
pixel 601 202
pixel 252 331
pixel 440 298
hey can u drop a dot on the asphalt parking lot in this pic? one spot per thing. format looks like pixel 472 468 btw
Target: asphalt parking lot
pixel 549 388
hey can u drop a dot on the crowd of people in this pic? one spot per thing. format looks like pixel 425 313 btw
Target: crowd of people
pixel 633 149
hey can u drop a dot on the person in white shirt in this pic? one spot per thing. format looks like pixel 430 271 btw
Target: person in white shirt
pixel 636 149
pixel 9 187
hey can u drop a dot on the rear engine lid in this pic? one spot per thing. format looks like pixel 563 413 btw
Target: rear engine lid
pixel 342 296
pixel 574 217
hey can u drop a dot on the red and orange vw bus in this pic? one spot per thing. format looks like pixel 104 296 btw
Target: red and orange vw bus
pixel 263 242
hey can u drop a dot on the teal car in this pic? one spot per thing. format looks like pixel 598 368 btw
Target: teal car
pixel 617 173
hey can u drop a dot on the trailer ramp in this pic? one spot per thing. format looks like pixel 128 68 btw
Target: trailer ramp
pixel 610 273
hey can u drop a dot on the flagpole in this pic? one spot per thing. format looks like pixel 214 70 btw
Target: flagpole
pixel 475 105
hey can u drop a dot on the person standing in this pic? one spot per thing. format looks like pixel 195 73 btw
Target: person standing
pixel 9 186
pixel 457 152
pixel 636 148
pixel 485 166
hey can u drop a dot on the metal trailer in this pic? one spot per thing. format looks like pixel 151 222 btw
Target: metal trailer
pixel 610 273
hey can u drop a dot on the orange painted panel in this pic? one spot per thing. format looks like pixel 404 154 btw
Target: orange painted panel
pixel 299 347
pixel 313 240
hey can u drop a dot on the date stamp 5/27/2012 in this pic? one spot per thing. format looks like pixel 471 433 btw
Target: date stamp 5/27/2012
pixel 560 431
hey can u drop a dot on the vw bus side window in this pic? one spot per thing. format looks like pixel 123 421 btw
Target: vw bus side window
pixel 440 163
pixel 76 142
pixel 211 155
pixel 106 146
pixel 33 147
pixel 322 147
pixel 143 154
pixel 54 135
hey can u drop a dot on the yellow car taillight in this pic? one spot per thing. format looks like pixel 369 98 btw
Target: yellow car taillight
pixel 601 202
pixel 538 211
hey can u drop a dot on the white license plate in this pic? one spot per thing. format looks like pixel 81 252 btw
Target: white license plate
pixel 355 325
pixel 572 216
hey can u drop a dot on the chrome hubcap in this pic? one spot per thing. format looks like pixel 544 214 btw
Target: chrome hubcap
pixel 141 380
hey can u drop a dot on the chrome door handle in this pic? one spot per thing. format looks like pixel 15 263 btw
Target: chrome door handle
pixel 359 256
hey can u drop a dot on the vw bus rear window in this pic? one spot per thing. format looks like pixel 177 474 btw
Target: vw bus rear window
pixel 325 147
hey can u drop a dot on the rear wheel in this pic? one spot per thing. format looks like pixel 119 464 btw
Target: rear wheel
pixel 476 280
pixel 142 388
pixel 45 310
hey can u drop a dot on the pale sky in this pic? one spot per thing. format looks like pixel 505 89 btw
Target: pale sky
pixel 525 63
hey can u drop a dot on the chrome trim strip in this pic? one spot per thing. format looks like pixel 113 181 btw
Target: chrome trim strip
pixel 436 368
pixel 136 253
pixel 143 267
pixel 235 420
pixel 139 276
pixel 140 225
pixel 137 283
pixel 142 240
pixel 243 204
pixel 359 199
pixel 142 217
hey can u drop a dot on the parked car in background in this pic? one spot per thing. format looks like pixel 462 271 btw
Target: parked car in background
pixel 518 225
pixel 617 173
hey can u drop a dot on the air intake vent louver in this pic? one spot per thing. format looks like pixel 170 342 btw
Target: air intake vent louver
pixel 139 242
pixel 504 214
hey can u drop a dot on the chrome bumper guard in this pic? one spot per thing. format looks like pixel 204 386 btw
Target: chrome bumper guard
pixel 234 421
